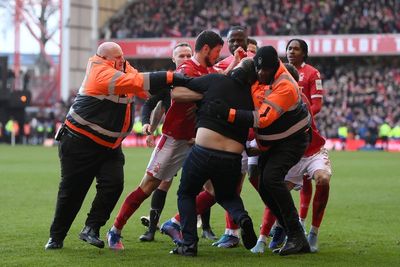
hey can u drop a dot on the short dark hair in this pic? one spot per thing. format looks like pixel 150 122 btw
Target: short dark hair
pixel 209 38
pixel 237 28
pixel 252 41
pixel 303 46
pixel 245 72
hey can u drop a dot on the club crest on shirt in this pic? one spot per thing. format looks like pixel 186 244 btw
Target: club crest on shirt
pixel 157 167
pixel 301 76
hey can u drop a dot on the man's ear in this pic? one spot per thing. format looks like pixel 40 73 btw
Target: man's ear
pixel 205 49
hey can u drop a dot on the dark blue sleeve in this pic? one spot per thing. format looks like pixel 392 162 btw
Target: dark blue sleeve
pixel 149 105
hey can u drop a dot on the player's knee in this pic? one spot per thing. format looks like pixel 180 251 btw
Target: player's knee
pixel 149 183
pixel 322 177
pixel 165 185
pixel 290 185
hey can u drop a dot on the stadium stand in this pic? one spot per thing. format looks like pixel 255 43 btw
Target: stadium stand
pixel 167 18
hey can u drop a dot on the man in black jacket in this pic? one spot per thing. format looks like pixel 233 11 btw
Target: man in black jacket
pixel 216 154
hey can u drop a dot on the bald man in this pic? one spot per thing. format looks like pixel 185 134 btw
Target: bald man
pixel 91 136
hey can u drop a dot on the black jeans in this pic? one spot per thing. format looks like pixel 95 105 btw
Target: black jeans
pixel 274 165
pixel 224 170
pixel 81 161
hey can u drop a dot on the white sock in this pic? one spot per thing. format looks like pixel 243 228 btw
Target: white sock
pixel 262 238
pixel 115 230
pixel 234 232
pixel 175 221
pixel 314 230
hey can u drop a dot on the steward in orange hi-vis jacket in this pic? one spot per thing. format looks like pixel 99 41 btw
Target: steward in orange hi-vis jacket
pixel 102 110
pixel 282 122
pixel 90 140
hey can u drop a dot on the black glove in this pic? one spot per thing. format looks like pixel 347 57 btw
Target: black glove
pixel 218 109
pixel 180 79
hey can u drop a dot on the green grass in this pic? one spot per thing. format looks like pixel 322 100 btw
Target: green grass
pixel 361 225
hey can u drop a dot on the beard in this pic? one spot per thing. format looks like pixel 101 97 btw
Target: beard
pixel 208 62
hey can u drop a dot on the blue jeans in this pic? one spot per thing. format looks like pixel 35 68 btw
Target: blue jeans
pixel 224 171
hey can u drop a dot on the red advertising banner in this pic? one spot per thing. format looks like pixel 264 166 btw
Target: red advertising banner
pixel 319 45
pixel 331 144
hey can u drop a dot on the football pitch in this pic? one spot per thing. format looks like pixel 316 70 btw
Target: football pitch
pixel 361 226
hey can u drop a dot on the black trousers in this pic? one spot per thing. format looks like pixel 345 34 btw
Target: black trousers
pixel 274 165
pixel 82 160
pixel 224 170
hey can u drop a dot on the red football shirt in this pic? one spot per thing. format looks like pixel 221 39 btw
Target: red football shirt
pixel 311 85
pixel 317 140
pixel 176 123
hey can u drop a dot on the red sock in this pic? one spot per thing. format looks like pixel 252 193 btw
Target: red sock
pixel 130 205
pixel 177 217
pixel 319 204
pixel 267 222
pixel 305 197
pixel 204 201
pixel 229 223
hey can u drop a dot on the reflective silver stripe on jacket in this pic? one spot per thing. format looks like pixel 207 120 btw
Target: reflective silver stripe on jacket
pixel 95 127
pixel 113 98
pixel 146 81
pixel 111 85
pixel 274 106
pixel 256 119
pixel 277 107
pixel 293 129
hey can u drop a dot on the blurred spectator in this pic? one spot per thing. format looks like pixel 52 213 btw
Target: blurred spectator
pixel 384 133
pixel 362 97
pixel 167 18
pixel 26 81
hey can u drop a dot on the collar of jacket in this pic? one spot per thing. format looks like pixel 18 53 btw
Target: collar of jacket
pixel 105 61
pixel 279 71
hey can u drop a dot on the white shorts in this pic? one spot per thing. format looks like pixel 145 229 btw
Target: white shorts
pixel 167 158
pixel 308 165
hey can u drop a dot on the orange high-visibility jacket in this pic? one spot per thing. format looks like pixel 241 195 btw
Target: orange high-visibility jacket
pixel 102 109
pixel 280 112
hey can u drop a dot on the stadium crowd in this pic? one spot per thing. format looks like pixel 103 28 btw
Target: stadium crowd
pixel 155 18
pixel 361 98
